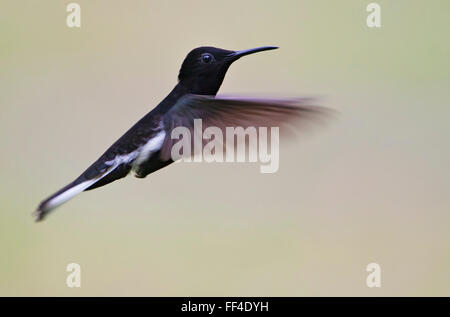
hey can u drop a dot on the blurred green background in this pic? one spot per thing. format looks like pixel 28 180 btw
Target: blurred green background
pixel 372 186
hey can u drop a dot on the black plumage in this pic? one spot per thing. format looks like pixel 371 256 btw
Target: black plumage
pixel 146 146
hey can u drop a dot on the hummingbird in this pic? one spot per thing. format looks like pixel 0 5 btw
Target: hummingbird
pixel 146 146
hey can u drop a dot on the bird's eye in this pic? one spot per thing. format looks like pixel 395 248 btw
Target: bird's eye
pixel 207 58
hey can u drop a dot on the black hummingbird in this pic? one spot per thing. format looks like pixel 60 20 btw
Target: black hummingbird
pixel 146 146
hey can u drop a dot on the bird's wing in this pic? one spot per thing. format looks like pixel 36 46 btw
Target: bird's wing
pixel 222 112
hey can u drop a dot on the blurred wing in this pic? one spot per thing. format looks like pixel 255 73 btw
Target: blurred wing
pixel 225 112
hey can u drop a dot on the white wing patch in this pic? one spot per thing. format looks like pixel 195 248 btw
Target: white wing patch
pixel 123 159
pixel 154 144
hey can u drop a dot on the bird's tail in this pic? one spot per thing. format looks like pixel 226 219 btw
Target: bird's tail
pixel 86 181
pixel 61 196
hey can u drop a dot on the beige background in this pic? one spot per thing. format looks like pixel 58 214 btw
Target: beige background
pixel 373 186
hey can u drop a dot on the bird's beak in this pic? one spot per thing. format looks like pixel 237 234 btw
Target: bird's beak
pixel 238 54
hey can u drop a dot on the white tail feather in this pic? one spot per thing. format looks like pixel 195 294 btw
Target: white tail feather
pixel 68 194
pixel 71 192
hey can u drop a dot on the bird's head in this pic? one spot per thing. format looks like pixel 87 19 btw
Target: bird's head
pixel 204 68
